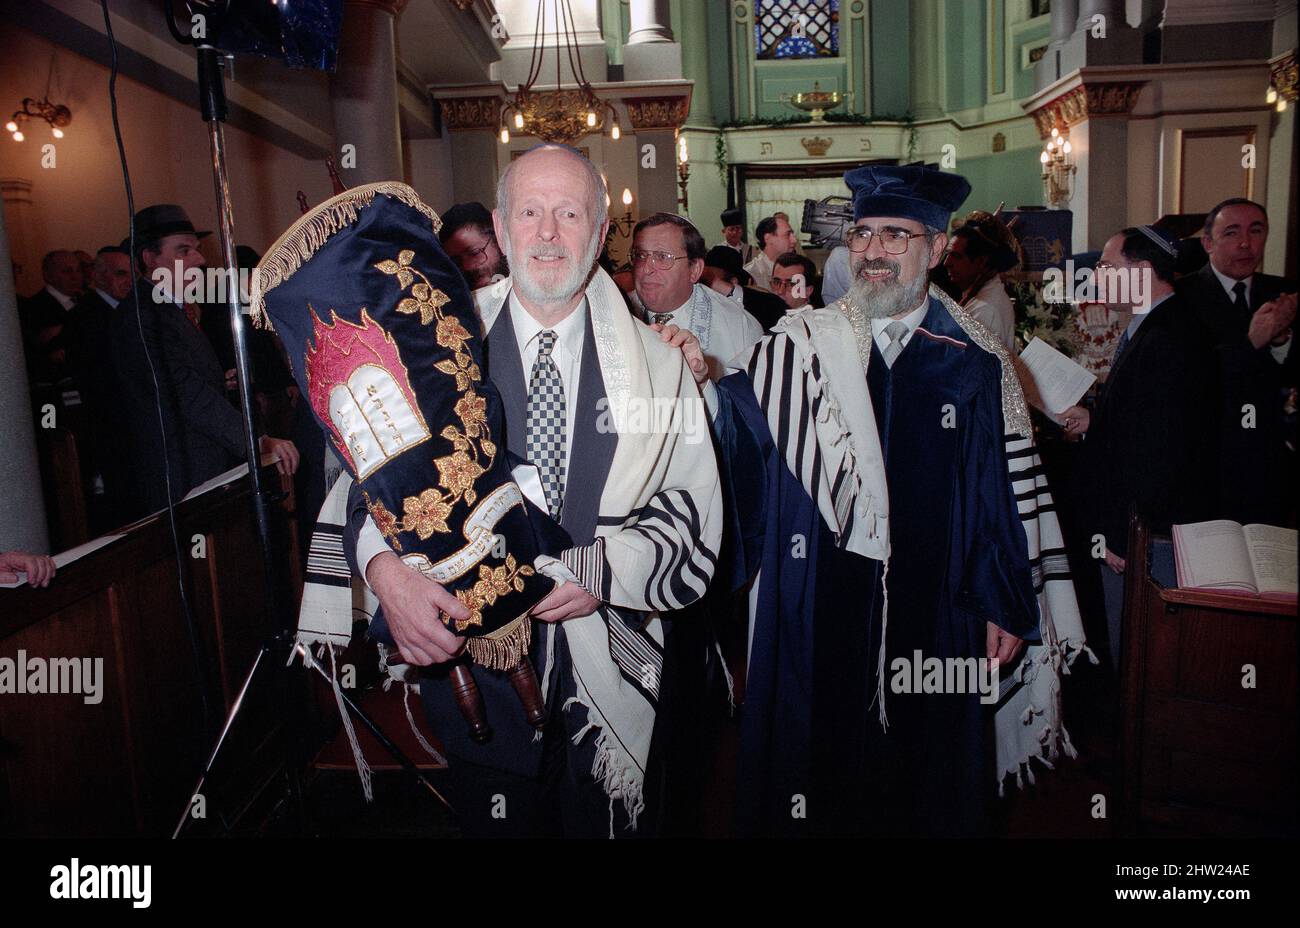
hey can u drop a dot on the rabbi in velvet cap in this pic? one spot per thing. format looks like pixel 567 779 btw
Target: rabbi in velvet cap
pixel 901 441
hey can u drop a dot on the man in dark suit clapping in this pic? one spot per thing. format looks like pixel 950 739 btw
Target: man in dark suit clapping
pixel 1248 318
pixel 185 431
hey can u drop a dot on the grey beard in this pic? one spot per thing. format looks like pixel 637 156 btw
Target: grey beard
pixel 883 300
pixel 562 290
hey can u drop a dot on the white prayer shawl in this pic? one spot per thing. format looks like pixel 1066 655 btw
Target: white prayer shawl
pixel 657 536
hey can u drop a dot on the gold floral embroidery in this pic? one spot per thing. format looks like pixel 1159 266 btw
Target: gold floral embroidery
pixel 473 450
pixel 492 584
pixel 457 472
pixel 425 299
pixel 425 514
pixel 472 410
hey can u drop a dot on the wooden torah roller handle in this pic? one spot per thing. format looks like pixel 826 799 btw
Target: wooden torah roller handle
pixel 524 679
pixel 470 702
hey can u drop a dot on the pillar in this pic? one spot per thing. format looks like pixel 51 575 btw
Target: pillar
pixel 22 510
pixel 927 100
pixel 651 53
pixel 363 93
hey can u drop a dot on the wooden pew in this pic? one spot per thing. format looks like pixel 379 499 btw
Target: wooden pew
pixel 127 764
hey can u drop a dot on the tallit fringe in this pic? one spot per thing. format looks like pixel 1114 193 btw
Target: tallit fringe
pixel 310 233
pixel 310 661
pixel 726 673
pixel 504 648
pixel 415 729
pixel 613 776
pixel 880 662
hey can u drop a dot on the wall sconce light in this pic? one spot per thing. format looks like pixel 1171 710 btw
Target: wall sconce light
pixel 1057 160
pixel 56 114
pixel 623 225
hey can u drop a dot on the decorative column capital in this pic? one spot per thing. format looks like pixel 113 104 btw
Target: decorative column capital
pixel 657 112
pixel 1283 74
pixel 1109 98
pixel 461 113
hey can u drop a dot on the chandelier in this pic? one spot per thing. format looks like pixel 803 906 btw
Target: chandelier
pixel 56 114
pixel 564 114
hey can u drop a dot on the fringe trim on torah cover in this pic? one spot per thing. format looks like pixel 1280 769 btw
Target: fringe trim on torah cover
pixel 504 648
pixel 310 233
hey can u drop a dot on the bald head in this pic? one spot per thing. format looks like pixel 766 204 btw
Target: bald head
pixel 547 158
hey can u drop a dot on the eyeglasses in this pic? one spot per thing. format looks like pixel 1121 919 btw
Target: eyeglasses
pixel 659 260
pixel 892 241
pixel 473 254
pixel 782 283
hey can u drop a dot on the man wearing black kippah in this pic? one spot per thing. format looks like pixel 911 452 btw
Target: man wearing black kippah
pixel 1146 445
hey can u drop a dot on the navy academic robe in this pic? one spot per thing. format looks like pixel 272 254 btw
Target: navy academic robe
pixel 814 757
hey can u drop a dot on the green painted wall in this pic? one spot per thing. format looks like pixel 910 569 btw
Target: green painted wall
pixel 966 51
pixel 890 57
pixel 718 39
pixel 1023 83
pixel 775 78
pixel 1012 176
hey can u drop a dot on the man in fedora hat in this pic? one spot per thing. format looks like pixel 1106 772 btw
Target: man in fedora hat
pixel 183 429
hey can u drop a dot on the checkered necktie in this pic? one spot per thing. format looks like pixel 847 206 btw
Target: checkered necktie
pixel 662 318
pixel 546 423
pixel 895 330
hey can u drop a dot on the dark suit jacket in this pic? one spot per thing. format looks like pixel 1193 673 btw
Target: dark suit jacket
pixel 512 747
pixel 204 432
pixel 1148 444
pixel 1255 467
pixel 88 338
pixel 87 334
pixel 39 312
pixel 766 307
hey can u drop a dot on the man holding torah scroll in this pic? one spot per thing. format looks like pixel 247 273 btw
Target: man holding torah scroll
pixel 611 429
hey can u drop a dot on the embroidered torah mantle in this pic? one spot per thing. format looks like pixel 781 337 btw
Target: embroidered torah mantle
pixel 385 345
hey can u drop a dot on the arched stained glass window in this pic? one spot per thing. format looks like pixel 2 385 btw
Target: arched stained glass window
pixel 797 28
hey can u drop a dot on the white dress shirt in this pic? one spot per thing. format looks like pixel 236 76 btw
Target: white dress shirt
pixel 63 299
pixel 103 295
pixel 911 320
pixel 1230 282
